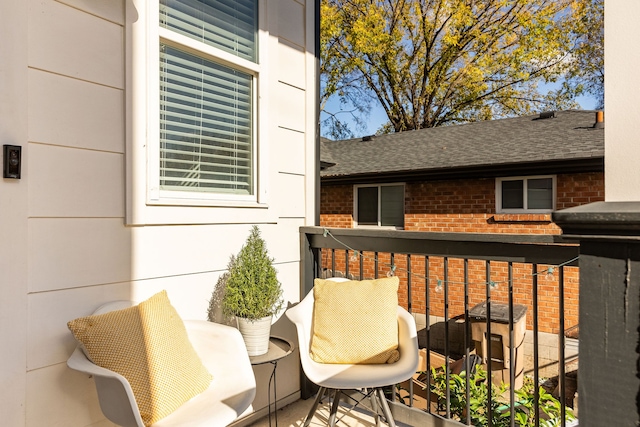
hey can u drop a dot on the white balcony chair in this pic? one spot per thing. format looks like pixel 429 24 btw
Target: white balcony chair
pixel 221 350
pixel 337 377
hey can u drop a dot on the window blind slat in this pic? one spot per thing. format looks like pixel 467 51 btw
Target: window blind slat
pixel 211 178
pixel 199 183
pixel 241 15
pixel 180 76
pixel 184 71
pixel 182 138
pixel 213 161
pixel 217 124
pixel 183 19
pixel 228 25
pixel 179 94
pixel 215 94
pixel 216 111
pixel 230 173
pixel 205 125
pixel 221 34
pixel 219 158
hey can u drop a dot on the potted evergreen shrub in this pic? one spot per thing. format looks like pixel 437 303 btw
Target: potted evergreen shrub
pixel 253 293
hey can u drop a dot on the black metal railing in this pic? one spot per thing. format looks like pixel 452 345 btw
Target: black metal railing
pixel 470 289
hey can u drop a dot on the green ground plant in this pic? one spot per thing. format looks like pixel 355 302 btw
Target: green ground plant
pixel 550 409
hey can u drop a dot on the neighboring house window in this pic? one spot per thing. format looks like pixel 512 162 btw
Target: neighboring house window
pixel 525 194
pixel 380 205
pixel 208 71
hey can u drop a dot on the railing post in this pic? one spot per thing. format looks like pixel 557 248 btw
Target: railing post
pixel 309 266
pixel 609 374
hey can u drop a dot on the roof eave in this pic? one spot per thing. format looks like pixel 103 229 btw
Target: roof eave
pixel 589 164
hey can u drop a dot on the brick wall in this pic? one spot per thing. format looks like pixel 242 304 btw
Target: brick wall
pixel 465 206
pixel 336 206
pixel 468 206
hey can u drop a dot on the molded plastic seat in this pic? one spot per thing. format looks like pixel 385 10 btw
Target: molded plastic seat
pixel 349 376
pixel 221 350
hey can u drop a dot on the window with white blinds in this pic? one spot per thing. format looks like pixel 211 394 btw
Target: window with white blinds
pixel 207 141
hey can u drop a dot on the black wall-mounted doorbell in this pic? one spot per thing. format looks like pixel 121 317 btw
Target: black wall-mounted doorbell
pixel 12 155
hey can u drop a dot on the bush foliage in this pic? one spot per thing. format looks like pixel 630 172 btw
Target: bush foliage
pixel 252 288
pixel 524 408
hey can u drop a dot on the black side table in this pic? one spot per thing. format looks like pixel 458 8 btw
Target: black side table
pixel 278 349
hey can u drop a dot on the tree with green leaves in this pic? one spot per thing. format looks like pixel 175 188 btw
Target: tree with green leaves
pixel 586 72
pixel 436 62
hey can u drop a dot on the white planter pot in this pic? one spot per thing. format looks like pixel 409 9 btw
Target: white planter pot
pixel 255 334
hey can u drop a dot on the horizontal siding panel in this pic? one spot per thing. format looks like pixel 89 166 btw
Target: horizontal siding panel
pixel 58 396
pixel 50 341
pixel 189 294
pixel 70 42
pixel 67 253
pixel 289 276
pixel 291 21
pixel 68 182
pixel 167 251
pixel 291 64
pixel 178 250
pixel 287 102
pixel 290 203
pixel 107 9
pixel 75 113
pixel 282 239
pixel 289 151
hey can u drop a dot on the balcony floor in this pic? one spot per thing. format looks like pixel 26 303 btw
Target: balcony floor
pixel 293 415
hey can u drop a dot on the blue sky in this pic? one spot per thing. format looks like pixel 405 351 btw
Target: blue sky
pixel 378 117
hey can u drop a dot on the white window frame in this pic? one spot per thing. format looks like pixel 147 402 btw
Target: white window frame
pixel 146 203
pixel 525 179
pixel 378 186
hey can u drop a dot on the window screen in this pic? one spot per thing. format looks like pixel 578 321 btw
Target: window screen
pixel 368 205
pixel 526 194
pixel 540 193
pixel 512 194
pixel 381 205
pixel 392 205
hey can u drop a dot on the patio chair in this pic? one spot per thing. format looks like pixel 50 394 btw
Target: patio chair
pixel 223 353
pixel 370 378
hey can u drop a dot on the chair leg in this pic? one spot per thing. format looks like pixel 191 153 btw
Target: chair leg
pixel 314 407
pixel 374 407
pixel 334 408
pixel 385 408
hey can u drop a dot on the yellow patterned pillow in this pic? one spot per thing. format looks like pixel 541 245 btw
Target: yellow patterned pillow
pixel 355 322
pixel 149 346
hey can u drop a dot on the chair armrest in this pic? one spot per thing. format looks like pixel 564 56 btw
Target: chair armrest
pixel 78 361
pixel 408 339
pixel 115 394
